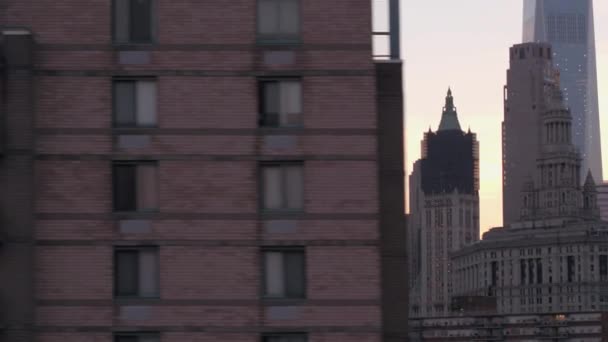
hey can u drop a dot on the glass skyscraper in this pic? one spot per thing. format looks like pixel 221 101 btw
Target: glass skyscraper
pixel 568 26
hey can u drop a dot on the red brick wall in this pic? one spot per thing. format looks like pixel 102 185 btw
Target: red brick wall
pixel 74 280
pixel 74 272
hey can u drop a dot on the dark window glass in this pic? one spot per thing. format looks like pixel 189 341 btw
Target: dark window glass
pixel 494 280
pixel 294 274
pixel 137 337
pixel 278 20
pixel 133 21
pixel 530 271
pixel 124 103
pixel 134 103
pixel 126 339
pixel 603 267
pixel 285 274
pixel 124 187
pixel 136 272
pixel 285 338
pixel 135 186
pixel 570 268
pixel 127 270
pixel 141 20
pixel 280 103
pixel 282 187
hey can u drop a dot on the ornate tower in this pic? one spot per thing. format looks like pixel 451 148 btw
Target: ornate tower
pixel 590 206
pixel 556 191
pixel 444 210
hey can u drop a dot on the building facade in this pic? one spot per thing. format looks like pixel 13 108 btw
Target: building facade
pixel 529 76
pixel 555 258
pixel 199 171
pixel 444 211
pixel 574 327
pixel 569 27
pixel 602 200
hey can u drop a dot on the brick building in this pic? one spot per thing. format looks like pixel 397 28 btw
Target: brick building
pixel 184 170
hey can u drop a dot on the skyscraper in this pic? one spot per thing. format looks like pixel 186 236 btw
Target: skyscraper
pixel 602 200
pixel 568 26
pixel 553 258
pixel 444 211
pixel 528 78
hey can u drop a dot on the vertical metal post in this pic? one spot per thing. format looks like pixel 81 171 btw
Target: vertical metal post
pixel 394 27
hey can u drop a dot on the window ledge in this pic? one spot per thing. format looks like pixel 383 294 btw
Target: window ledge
pixel 136 300
pixel 268 130
pixel 134 46
pixel 278 43
pixel 134 130
pixel 284 301
pixel 121 215
pixel 278 214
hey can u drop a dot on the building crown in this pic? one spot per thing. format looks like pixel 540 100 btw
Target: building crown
pixel 449 118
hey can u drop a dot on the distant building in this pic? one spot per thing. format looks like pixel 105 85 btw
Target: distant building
pixel 568 26
pixel 554 259
pixel 579 327
pixel 444 211
pixel 602 200
pixel 530 73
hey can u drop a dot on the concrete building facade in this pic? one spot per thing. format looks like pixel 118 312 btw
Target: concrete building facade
pixel 444 211
pixel 602 200
pixel 199 171
pixel 574 327
pixel 529 76
pixel 555 257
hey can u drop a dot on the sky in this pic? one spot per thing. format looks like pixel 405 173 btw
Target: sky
pixel 464 44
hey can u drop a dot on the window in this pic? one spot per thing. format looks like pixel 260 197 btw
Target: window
pixel 278 21
pixel 284 273
pixel 571 269
pixel 135 186
pixel 291 337
pixel 134 102
pixel 136 272
pixel 282 186
pixel 280 103
pixel 449 217
pixel 136 337
pixel 133 21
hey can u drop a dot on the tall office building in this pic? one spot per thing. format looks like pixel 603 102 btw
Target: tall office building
pixel 568 26
pixel 602 200
pixel 444 211
pixel 186 170
pixel 529 77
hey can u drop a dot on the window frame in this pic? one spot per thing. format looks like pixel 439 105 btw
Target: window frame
pixel 138 249
pixel 283 250
pixel 135 80
pixel 135 164
pixel 266 336
pixel 138 335
pixel 278 38
pixel 153 26
pixel 262 115
pixel 262 186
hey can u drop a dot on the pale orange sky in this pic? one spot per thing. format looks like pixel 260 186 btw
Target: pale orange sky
pixel 464 44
